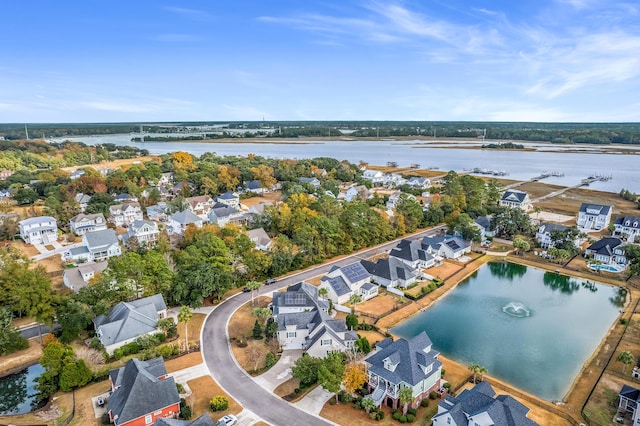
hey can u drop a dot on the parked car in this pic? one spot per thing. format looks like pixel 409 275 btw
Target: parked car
pixel 100 401
pixel 229 420
pixel 269 281
pixel 246 290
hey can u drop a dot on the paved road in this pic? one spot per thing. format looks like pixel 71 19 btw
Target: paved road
pixel 219 359
pixel 33 331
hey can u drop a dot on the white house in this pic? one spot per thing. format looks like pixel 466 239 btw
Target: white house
pixel 255 187
pixel 221 216
pixel 516 199
pixel 594 217
pixel 78 277
pixel 342 282
pixel 200 205
pixel 145 231
pixel 158 212
pixel 419 182
pixel 83 223
pixel 543 235
pixel 96 246
pixel 125 214
pixel 260 238
pixel 83 201
pixel 39 230
pixel 627 227
pixel 629 398
pixel 391 272
pixel 311 181
pixel 230 198
pixel 483 223
pixel 375 176
pixel 413 254
pixel 609 251
pixel 178 222
pixel 357 192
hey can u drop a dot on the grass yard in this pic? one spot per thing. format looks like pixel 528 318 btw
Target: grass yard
pixel 444 270
pixel 204 388
pixel 380 304
pixel 601 407
pixel 347 415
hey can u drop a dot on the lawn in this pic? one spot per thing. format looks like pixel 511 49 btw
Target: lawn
pixel 345 414
pixel 204 388
pixel 380 304
pixel 444 270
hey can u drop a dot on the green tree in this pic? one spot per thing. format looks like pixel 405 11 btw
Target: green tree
pixel 352 322
pixel 262 314
pixel 354 299
pixel 475 369
pixel 626 358
pixel 253 286
pixel 323 292
pixel 368 404
pixel 10 339
pixel 521 244
pixel 330 373
pixel 257 330
pixel 185 315
pixel 411 210
pixel 363 345
pixel 74 374
pixel 271 329
pixel 405 396
pixel 305 369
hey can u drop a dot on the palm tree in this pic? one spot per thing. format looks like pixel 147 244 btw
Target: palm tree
pixel 323 292
pixel 482 370
pixel 406 397
pixel 262 314
pixel 184 316
pixel 368 404
pixel 476 369
pixel 626 358
pixel 354 300
pixel 537 210
pixel 254 285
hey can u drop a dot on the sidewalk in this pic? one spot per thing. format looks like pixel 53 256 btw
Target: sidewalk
pixel 279 373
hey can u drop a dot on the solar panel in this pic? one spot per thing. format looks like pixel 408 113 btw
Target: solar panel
pixel 354 272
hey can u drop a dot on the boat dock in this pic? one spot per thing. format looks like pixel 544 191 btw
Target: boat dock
pixel 583 182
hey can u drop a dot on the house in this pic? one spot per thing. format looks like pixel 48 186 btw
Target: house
pixel 419 182
pixel 393 179
pixel 609 251
pixel 165 179
pixel 125 214
pixel 629 398
pixel 412 253
pixel 391 272
pixel 394 199
pixel 230 198
pixel 483 223
pixel 124 198
pixel 375 176
pixel 403 363
pixel 127 321
pixel 223 215
pixel 83 201
pixel 260 238
pixel 183 188
pixel 303 322
pixel 5 174
pixel 77 174
pixel 144 231
pixel 516 200
pixel 96 246
pixel 357 192
pixel 78 277
pixel 479 406
pixel 200 205
pixel 158 212
pixel 343 281
pixel 543 235
pixel 627 227
pixel 6 193
pixel 594 217
pixel 179 221
pixel 142 393
pixel 38 230
pixel 254 186
pixel 311 181
pixel 104 171
pixel 83 223
pixel 445 246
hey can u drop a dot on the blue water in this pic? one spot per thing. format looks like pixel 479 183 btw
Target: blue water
pixel 18 393
pixel 530 328
pixel 521 165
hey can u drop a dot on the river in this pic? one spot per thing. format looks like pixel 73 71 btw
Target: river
pixel 519 165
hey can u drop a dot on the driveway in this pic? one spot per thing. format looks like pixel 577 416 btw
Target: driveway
pixel 279 373
pixel 314 400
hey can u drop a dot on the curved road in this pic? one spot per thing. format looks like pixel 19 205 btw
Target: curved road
pixel 222 365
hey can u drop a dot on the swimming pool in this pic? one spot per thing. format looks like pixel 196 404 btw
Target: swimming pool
pixel 608 268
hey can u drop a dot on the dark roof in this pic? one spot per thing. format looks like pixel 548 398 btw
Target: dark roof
pixel 410 359
pixel 455 244
pixel 339 286
pixel 630 392
pixel 408 250
pixel 628 221
pixel 354 272
pixel 483 221
pixel 549 227
pixel 229 195
pixel 595 209
pixel 254 184
pixel 514 196
pixel 140 390
pixel 433 242
pixel 605 246
pixel 392 269
pixel 185 217
pixel 220 212
pixel 98 239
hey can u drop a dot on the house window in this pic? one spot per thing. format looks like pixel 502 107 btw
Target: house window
pixel 448 420
pixel 325 342
pixel 291 334
pixel 428 369
pixel 148 419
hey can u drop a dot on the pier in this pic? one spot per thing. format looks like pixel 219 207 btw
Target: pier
pixel 541 176
pixel 583 182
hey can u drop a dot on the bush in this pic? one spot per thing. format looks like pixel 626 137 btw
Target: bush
pixel 185 410
pixel 357 404
pixel 424 403
pixel 433 395
pixel 402 419
pixel 332 401
pixel 623 321
pixel 118 353
pixel 344 397
pixel 219 403
pixel 396 415
pixel 380 415
pixel 270 360
pixel 442 373
pixel 180 389
pixel 447 386
pixel 410 417
pixel 352 322
pixel 96 344
pixel 412 411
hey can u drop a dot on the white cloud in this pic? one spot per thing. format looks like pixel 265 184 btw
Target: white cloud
pixel 193 14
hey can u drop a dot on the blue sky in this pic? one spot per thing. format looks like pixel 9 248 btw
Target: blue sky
pixel 498 60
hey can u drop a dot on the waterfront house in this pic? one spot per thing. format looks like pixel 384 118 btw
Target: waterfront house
pixel 445 247
pixel 543 235
pixel 260 238
pixel 629 398
pixel 403 363
pixel 419 182
pixel 594 217
pixel 144 231
pixel 142 393
pixel 303 322
pixel 82 200
pixel 412 253
pixel 79 277
pixel 375 176
pixel 96 246
pixel 83 223
pixel 125 214
pixel 479 406
pixel 608 251
pixel 38 230
pixel 393 179
pixel 343 281
pixel 627 227
pixel 179 221
pixel 229 198
pixel 516 200
pixel 391 272
pixel 127 321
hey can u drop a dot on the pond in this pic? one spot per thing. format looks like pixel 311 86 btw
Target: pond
pixel 18 391
pixel 531 328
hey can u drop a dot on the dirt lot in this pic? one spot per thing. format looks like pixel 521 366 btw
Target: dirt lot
pixel 115 163
pixel 268 197
pixel 380 304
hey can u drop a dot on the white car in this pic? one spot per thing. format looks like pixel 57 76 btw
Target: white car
pixel 229 420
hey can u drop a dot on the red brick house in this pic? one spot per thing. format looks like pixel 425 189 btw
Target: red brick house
pixel 142 393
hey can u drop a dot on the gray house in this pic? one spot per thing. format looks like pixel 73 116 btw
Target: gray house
pixel 391 272
pixel 129 320
pixel 480 406
pixel 96 246
pixel 78 277
pixel 516 200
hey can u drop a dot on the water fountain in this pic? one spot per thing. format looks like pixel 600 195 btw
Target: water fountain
pixel 516 309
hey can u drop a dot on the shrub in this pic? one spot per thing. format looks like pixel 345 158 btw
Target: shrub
pixel 373 415
pixel 180 389
pixel 402 419
pixel 413 411
pixel 96 344
pixel 185 412
pixel 410 417
pixel 447 386
pixel 433 395
pixel 623 321
pixel 424 403
pixel 396 415
pixel 118 353
pixel 344 397
pixel 442 373
pixel 270 360
pixel 219 403
pixel 380 415
pixel 332 401
pixel 165 351
pixel 352 322
pixel 357 404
